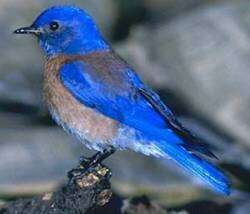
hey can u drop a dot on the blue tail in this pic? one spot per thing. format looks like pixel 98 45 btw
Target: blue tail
pixel 197 167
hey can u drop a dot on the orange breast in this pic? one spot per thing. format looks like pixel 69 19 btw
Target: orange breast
pixel 70 113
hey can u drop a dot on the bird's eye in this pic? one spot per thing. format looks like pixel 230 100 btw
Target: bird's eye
pixel 53 26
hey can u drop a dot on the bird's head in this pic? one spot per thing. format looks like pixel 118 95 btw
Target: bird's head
pixel 65 30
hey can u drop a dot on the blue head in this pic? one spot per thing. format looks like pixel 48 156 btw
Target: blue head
pixel 66 30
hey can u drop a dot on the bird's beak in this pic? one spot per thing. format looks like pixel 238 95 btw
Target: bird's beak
pixel 28 30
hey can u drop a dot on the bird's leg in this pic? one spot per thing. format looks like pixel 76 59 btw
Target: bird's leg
pixel 98 157
pixel 87 164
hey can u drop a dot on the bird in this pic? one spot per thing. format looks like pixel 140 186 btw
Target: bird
pixel 97 97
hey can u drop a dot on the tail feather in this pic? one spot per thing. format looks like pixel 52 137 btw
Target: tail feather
pixel 197 167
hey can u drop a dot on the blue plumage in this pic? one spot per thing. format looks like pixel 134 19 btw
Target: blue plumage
pixel 112 102
pixel 72 22
pixel 137 113
pixel 96 78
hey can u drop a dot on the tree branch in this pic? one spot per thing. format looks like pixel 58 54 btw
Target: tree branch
pixel 82 194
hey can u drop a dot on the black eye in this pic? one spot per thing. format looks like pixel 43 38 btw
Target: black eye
pixel 53 26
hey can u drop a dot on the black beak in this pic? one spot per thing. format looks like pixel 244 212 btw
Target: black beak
pixel 28 30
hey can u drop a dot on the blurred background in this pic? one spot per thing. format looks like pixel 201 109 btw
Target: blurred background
pixel 195 53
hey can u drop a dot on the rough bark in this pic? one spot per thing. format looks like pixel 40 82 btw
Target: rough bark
pixel 82 194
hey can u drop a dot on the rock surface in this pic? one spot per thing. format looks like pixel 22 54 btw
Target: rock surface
pixel 80 195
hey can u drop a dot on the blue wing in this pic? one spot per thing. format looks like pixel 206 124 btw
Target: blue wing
pixel 126 106
pixel 136 106
pixel 131 103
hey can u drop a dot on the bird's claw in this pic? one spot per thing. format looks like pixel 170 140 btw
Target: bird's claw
pixel 90 165
pixel 84 162
pixel 78 173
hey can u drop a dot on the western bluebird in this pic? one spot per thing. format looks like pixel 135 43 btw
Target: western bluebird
pixel 97 97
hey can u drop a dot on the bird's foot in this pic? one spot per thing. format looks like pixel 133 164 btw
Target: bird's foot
pixel 91 165
pixel 87 176
pixel 96 158
pixel 86 162
pixel 82 168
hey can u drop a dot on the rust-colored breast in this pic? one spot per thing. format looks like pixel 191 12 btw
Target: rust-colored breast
pixel 72 114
